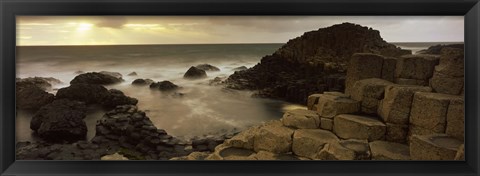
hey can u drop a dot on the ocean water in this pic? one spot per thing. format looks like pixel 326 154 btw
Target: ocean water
pixel 203 110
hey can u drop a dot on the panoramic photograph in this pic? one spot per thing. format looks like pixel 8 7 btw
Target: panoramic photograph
pixel 240 88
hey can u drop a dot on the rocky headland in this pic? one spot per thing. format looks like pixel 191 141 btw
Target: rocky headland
pixel 314 62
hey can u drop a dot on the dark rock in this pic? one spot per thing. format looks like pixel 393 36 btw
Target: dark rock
pixel 195 73
pixel 142 82
pixel 303 65
pixel 239 68
pixel 79 72
pixel 117 97
pixel 61 120
pixel 216 81
pixel 164 86
pixel 207 67
pixel 114 74
pixel 31 97
pixel 88 93
pixel 95 78
pixel 44 83
pixel 436 49
pixel 132 74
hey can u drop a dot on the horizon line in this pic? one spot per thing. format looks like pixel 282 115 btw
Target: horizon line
pixel 218 44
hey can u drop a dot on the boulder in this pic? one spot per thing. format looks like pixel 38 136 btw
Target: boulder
pixel 195 73
pixel 348 126
pixel 44 83
pixel 239 68
pixel 396 133
pixel 114 74
pixel 335 151
pixel 312 101
pixel 442 83
pixel 301 118
pixel 31 97
pixel 274 138
pixel 331 105
pixel 244 139
pixel 61 120
pixel 142 82
pixel 456 119
pixel 359 147
pixel 95 78
pixel 88 93
pixel 363 66
pixel 429 110
pixel 116 98
pixel 433 147
pixel 369 92
pixel 396 105
pixel 418 67
pixel 326 124
pixel 207 67
pixel 383 150
pixel 164 86
pixel 308 142
pixel 133 74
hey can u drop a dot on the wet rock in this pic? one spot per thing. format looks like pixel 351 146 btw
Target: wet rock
pixel 88 93
pixel 95 78
pixel 348 126
pixel 195 73
pixel 164 86
pixel 382 150
pixel 142 82
pixel 61 120
pixel 133 74
pixel 31 97
pixel 114 74
pixel 207 67
pixel 116 98
pixel 433 147
pixel 216 81
pixel 44 83
pixel 300 118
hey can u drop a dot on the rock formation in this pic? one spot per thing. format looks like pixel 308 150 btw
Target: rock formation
pixel 164 86
pixel 207 67
pixel 142 82
pixel 31 97
pixel 40 82
pixel 96 78
pixel 95 94
pixel 194 73
pixel 312 63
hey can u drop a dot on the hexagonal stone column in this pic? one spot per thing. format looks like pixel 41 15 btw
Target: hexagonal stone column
pixel 348 126
pixel 433 147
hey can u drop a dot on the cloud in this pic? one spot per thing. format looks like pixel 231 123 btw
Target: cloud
pixel 116 22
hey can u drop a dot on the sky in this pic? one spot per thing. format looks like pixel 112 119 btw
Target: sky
pixel 115 30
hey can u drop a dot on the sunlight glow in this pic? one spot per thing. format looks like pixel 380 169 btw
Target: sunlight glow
pixel 84 27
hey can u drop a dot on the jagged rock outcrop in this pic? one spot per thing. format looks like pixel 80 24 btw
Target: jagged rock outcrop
pixel 302 66
pixel 61 120
pixel 104 78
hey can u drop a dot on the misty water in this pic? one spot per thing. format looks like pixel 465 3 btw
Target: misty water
pixel 203 109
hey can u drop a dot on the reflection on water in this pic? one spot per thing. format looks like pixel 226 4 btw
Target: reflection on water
pixel 202 110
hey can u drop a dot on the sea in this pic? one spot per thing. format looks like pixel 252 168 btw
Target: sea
pixel 202 110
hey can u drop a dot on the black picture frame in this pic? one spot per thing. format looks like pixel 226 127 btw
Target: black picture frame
pixel 470 9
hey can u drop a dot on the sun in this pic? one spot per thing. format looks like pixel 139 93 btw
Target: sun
pixel 82 27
